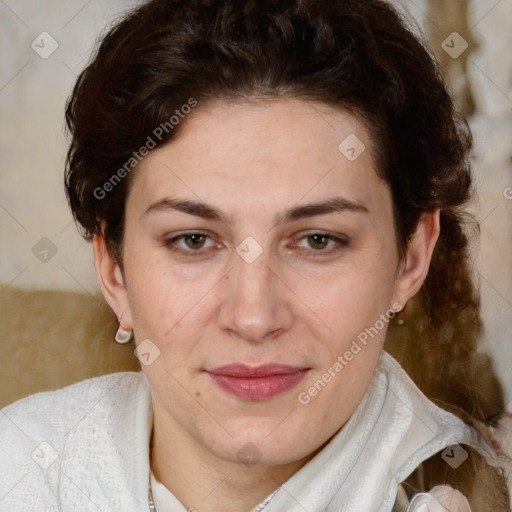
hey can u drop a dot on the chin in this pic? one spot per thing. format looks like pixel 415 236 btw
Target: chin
pixel 256 446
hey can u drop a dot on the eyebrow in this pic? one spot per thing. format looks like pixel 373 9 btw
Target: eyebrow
pixel 206 211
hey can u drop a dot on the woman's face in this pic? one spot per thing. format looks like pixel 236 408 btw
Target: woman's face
pixel 260 272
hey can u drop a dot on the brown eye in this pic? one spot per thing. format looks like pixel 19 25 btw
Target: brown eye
pixel 322 244
pixel 191 244
pixel 318 241
pixel 195 241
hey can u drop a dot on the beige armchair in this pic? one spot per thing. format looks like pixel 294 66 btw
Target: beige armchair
pixel 51 338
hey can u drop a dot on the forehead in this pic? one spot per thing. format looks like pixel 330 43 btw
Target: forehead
pixel 268 151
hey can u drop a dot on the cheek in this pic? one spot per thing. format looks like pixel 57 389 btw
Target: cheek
pixel 349 353
pixel 161 302
pixel 350 298
pixel 150 296
pixel 170 307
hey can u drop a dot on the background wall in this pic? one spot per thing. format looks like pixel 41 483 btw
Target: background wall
pixel 45 45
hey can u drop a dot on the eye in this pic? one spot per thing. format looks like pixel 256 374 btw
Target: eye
pixel 322 243
pixel 190 243
pixel 318 241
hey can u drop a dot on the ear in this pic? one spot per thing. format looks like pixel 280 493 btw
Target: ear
pixel 414 267
pixel 111 280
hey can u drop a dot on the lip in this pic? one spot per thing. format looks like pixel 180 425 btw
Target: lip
pixel 257 383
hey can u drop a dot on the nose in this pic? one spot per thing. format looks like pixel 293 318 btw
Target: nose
pixel 255 304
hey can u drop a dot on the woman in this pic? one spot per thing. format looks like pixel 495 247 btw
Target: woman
pixel 267 185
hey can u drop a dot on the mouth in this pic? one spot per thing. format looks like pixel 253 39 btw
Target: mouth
pixel 257 383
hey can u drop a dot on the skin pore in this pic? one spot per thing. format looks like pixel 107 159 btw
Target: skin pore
pixel 325 273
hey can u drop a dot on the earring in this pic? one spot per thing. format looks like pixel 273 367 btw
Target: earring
pixel 401 321
pixel 123 336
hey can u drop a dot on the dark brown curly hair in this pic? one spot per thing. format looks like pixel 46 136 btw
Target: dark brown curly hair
pixel 356 54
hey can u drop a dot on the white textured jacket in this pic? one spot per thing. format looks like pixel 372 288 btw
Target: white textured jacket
pixel 86 448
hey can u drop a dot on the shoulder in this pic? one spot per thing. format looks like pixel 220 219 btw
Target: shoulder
pixel 53 408
pixel 52 415
pixel 49 431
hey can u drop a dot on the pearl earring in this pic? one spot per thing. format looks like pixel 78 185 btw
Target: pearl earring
pixel 122 335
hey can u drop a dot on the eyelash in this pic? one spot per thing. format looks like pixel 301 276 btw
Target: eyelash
pixel 340 242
